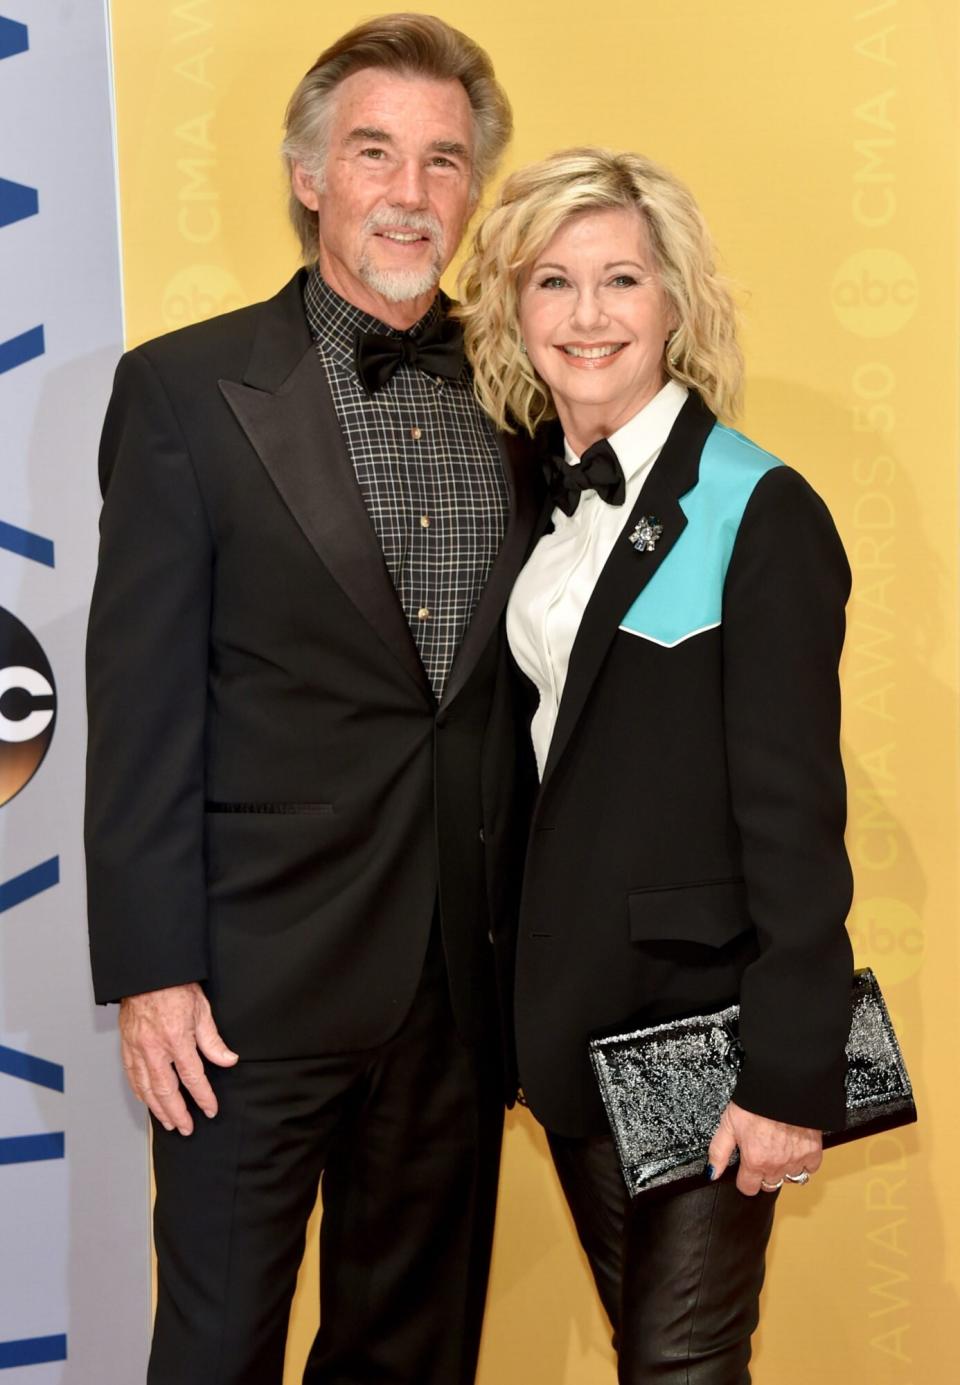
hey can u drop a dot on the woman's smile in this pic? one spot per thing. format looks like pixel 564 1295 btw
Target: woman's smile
pixel 584 356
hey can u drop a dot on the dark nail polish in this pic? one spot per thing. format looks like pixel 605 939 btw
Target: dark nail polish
pixel 711 1172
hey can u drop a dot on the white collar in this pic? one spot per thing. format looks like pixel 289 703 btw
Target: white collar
pixel 644 433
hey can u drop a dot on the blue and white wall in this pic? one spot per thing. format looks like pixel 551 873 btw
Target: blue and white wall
pixel 74 1259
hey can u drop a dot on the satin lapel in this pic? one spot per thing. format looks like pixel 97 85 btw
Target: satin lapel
pixel 524 492
pixel 287 412
pixel 626 572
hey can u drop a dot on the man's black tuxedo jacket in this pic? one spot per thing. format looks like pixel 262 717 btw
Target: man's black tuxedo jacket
pixel 687 843
pixel 275 800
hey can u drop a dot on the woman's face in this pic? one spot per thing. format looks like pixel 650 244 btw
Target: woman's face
pixel 594 317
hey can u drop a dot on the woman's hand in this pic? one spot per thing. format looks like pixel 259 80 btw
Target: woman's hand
pixel 770 1151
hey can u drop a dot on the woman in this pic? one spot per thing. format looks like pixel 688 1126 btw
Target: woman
pixel 680 625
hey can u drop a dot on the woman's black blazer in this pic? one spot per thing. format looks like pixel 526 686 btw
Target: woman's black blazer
pixel 687 840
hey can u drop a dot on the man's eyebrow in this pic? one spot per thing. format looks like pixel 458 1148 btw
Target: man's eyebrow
pixel 451 146
pixel 368 132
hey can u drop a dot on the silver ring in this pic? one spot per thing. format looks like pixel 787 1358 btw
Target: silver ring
pixel 770 1187
pixel 798 1178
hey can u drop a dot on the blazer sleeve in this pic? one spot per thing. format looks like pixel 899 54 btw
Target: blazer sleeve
pixel 147 653
pixel 783 622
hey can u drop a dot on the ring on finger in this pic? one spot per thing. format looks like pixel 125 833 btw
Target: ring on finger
pixel 798 1178
pixel 771 1187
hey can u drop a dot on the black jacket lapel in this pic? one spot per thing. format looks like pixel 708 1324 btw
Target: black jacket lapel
pixel 285 408
pixel 626 572
pixel 524 491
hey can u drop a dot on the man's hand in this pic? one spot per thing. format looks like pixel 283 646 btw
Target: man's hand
pixel 769 1150
pixel 160 1033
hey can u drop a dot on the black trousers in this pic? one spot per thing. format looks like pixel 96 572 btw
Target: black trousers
pixel 407 1140
pixel 679 1273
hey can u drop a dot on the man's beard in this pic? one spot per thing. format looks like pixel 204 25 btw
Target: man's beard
pixel 399 285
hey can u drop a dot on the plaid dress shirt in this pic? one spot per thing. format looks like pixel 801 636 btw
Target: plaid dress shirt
pixel 427 464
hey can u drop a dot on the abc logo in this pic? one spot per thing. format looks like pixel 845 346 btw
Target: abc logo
pixel 199 292
pixel 28 706
pixel 888 934
pixel 874 293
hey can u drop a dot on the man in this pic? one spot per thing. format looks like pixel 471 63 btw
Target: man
pixel 308 535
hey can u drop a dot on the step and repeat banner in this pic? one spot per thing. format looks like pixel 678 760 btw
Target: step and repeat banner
pixel 822 143
pixel 74 1190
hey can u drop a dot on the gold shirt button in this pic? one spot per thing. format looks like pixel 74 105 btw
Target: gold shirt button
pixel 416 434
pixel 424 521
pixel 423 613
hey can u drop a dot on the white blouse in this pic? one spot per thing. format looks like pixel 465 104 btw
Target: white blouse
pixel 552 591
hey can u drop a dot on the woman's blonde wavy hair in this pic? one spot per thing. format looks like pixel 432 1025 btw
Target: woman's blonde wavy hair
pixel 533 204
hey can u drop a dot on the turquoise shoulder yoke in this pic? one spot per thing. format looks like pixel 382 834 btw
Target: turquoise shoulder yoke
pixel 684 596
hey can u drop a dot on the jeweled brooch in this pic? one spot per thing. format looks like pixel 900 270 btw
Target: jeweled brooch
pixel 644 537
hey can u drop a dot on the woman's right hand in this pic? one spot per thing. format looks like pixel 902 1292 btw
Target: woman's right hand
pixel 770 1150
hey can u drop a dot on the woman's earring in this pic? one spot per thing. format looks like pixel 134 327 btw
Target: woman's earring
pixel 523 348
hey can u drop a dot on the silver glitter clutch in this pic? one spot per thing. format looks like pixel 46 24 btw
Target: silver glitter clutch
pixel 665 1087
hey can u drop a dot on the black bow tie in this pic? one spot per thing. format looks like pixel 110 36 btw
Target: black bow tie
pixel 438 351
pixel 599 470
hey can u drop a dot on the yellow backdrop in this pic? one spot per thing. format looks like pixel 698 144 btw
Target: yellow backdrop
pixel 821 141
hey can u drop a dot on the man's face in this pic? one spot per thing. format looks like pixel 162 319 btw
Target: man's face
pixel 395 194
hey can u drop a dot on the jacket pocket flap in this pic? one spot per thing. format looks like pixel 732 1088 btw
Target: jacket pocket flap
pixel 712 913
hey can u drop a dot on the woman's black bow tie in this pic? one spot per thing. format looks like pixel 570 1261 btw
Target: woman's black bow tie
pixel 439 351
pixel 599 470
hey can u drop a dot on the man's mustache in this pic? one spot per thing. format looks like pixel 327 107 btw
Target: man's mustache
pixel 394 218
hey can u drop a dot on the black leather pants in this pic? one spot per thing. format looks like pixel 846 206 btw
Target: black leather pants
pixel 679 1274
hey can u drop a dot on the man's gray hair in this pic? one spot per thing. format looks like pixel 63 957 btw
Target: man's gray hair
pixel 417 45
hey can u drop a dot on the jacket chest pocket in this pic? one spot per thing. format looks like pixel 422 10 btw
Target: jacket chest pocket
pixel 711 913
